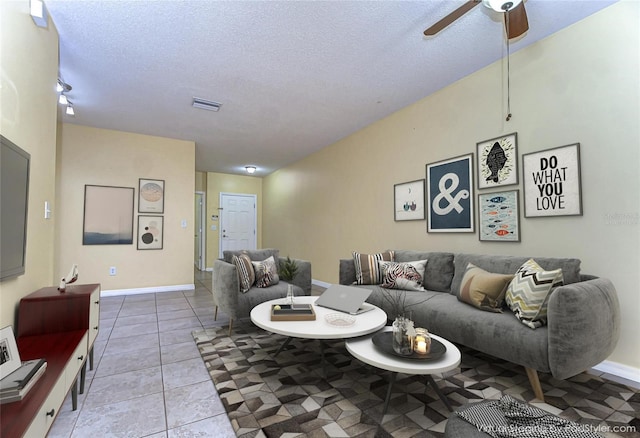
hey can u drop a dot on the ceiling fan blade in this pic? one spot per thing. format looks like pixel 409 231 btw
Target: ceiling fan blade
pixel 451 17
pixel 518 23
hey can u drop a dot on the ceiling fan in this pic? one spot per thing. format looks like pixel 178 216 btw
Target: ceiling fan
pixel 515 16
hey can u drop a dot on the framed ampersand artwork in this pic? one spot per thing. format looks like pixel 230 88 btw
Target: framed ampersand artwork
pixel 450 195
pixel 498 161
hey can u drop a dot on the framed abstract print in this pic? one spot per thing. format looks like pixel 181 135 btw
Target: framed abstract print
pixel 498 216
pixel 151 196
pixel 408 200
pixel 150 232
pixel 108 215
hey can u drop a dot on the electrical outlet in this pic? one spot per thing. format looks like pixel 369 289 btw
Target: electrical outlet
pixel 112 270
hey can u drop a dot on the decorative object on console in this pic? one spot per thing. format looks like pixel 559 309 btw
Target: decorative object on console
pixel 408 200
pixel 150 196
pixel 367 268
pixel 499 216
pixel 528 293
pixel 498 161
pixel 450 195
pixel 71 277
pixel 552 184
pixel 108 215
pixel 150 232
pixel 9 354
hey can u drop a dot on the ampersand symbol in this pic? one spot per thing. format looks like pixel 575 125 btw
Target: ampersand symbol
pixel 445 193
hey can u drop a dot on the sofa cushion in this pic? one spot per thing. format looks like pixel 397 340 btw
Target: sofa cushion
pixel 482 289
pixel 407 276
pixel 266 272
pixel 367 269
pixel 255 255
pixel 528 293
pixel 510 264
pixel 439 271
pixel 246 274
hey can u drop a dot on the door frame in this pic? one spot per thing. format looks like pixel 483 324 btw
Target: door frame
pixel 221 218
pixel 202 241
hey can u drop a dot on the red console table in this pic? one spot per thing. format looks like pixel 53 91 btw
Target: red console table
pixel 60 327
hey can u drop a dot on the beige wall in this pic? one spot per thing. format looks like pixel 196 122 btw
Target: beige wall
pixel 224 183
pixel 112 158
pixel 579 85
pixel 28 74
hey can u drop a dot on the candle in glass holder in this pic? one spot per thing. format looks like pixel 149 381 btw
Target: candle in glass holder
pixel 422 342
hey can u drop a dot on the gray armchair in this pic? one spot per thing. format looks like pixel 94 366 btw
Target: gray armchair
pixel 226 285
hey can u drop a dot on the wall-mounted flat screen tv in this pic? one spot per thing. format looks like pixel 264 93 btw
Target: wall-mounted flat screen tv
pixel 14 200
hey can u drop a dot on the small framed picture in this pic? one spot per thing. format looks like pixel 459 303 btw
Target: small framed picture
pixel 408 199
pixel 450 195
pixel 151 196
pixel 499 217
pixel 150 232
pixel 9 355
pixel 498 161
pixel 552 184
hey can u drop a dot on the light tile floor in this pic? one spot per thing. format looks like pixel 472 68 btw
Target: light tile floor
pixel 149 379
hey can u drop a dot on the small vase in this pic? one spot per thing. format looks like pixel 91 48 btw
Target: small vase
pixel 403 336
pixel 290 295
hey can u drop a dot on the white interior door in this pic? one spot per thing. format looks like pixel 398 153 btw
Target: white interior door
pixel 238 219
pixel 199 234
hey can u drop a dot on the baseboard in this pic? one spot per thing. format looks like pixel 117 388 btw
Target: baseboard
pixel 619 370
pixel 320 283
pixel 146 290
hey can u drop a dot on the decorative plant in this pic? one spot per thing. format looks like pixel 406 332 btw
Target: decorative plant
pixel 288 269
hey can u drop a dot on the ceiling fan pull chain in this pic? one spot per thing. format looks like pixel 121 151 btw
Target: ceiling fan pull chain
pixel 508 71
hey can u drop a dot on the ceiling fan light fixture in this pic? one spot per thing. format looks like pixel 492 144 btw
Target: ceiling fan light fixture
pixel 501 5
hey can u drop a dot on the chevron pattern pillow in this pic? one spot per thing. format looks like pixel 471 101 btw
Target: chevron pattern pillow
pixel 528 293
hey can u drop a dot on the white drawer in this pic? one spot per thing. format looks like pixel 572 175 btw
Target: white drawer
pixel 77 359
pixel 94 316
pixel 44 418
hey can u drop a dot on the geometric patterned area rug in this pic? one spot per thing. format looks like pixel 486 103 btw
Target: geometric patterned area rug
pixel 296 394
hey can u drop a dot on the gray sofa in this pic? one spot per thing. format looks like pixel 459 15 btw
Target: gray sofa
pixel 583 315
pixel 226 286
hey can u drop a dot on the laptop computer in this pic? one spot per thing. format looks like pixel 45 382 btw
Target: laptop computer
pixel 346 299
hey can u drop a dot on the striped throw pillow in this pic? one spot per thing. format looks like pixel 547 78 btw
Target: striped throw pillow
pixel 367 268
pixel 246 275
pixel 528 293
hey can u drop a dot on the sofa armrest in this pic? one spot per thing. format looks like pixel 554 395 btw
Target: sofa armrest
pixel 584 326
pixel 303 277
pixel 347 272
pixel 225 286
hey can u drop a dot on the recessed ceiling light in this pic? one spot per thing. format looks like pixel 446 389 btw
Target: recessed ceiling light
pixel 206 104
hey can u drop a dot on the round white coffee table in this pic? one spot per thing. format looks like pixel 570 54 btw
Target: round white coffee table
pixel 364 324
pixel 364 350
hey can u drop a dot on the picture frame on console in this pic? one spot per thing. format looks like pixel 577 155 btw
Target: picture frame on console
pixel 151 196
pixel 408 201
pixel 552 182
pixel 498 161
pixel 499 216
pixel 9 355
pixel 450 195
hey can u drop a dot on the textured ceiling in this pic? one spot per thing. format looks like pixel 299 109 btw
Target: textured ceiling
pixel 292 76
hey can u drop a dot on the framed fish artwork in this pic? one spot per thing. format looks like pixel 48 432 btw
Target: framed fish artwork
pixel 409 201
pixel 499 216
pixel 498 161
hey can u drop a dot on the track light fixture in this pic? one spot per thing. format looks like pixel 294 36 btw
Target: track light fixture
pixel 70 111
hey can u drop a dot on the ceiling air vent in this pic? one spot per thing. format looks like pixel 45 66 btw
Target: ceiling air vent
pixel 206 104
